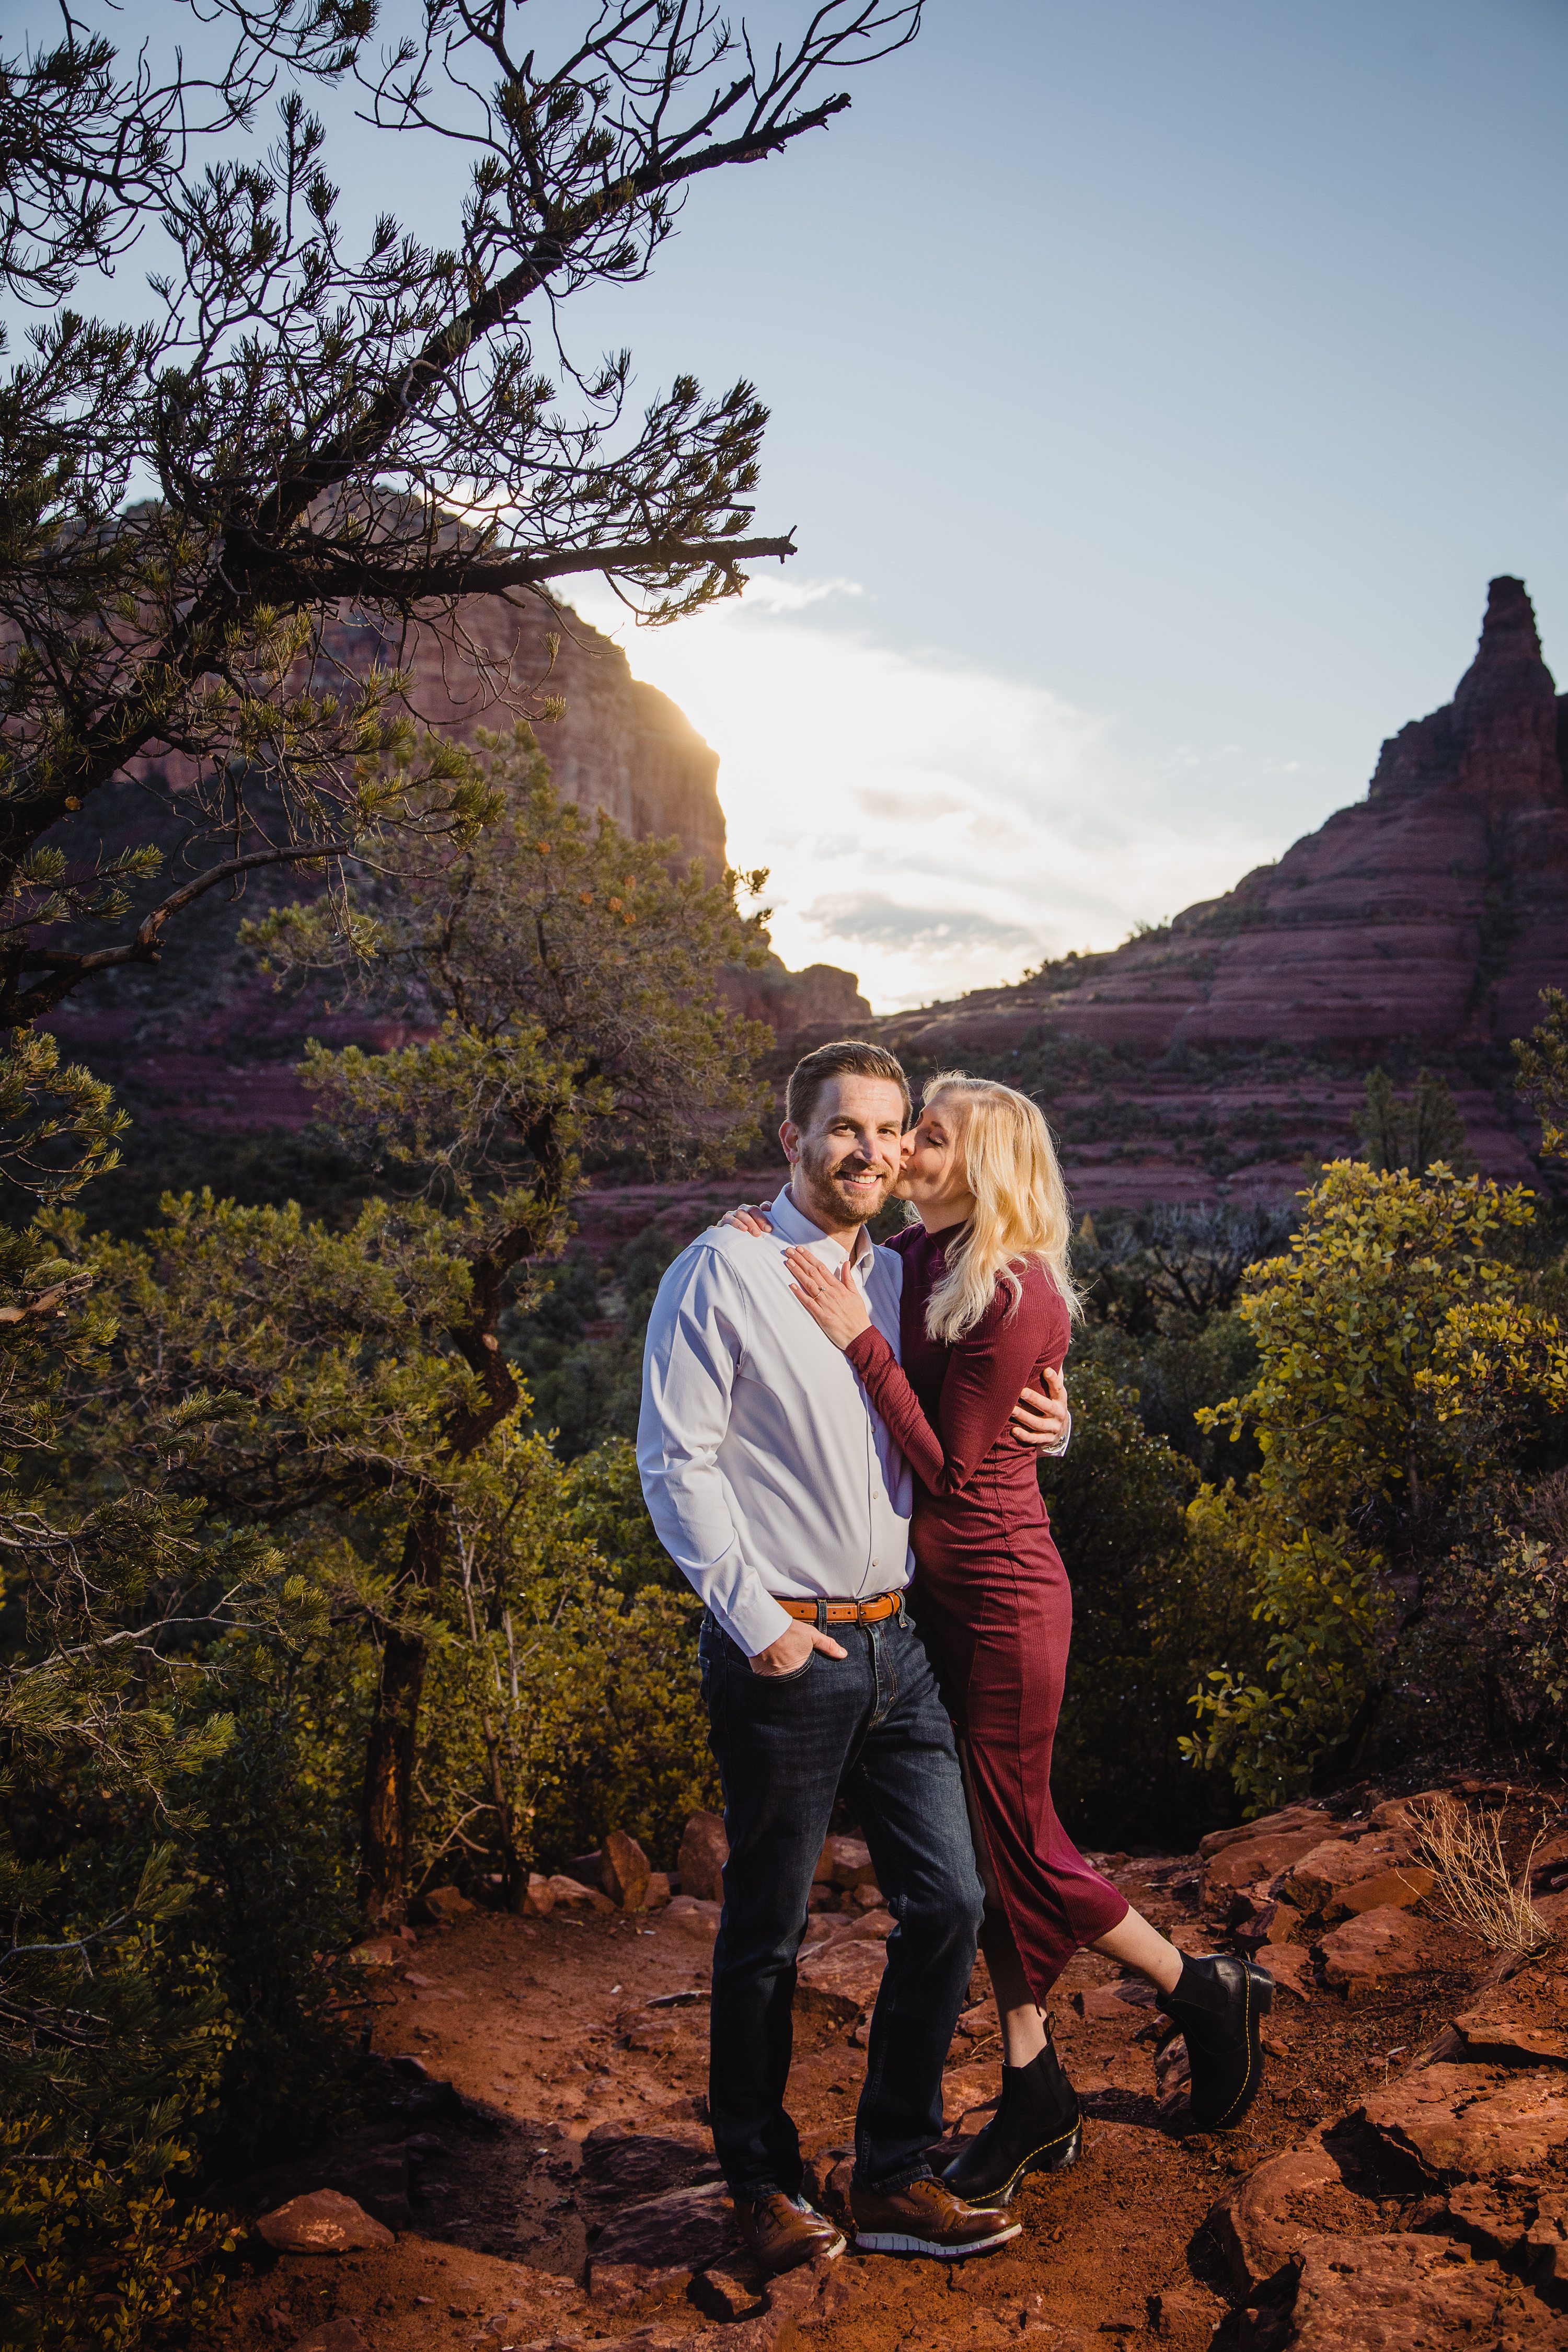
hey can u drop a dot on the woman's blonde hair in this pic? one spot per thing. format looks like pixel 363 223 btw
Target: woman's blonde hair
pixel 1020 1204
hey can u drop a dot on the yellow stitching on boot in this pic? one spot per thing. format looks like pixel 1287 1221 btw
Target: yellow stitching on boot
pixel 1044 2149
pixel 1247 2024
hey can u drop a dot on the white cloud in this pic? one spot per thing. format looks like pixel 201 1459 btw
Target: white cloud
pixel 931 826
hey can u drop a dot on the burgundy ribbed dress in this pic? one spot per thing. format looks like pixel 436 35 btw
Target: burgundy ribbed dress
pixel 990 1587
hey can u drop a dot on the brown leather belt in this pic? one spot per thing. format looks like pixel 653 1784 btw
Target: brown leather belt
pixel 843 1612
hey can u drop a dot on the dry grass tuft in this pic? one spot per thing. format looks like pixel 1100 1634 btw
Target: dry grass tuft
pixel 1475 1889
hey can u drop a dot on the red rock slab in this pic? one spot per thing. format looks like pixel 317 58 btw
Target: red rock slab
pixel 332 2336
pixel 324 2222
pixel 1549 1861
pixel 1371 1949
pixel 1463 2125
pixel 1403 1812
pixel 644 2164
pixel 380 1953
pixel 841 1978
pixel 1261 1857
pixel 801 2306
pixel 1290 1966
pixel 1172 2077
pixel 1182 2320
pixel 1395 1890
pixel 661 2244
pixel 698 1917
pixel 1289 1817
pixel 1545 2248
pixel 1255 2220
pixel 1487 2032
pixel 1257 1919
pixel 1321 1878
pixel 1123 2004
pixel 849 1862
pixel 704 1851
pixel 625 1871
pixel 570 1894
pixel 1481 2216
pixel 1414 2295
pixel 445 1902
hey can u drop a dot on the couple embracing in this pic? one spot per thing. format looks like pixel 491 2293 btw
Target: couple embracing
pixel 839 1446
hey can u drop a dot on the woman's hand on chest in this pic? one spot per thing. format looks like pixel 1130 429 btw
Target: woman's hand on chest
pixel 833 1301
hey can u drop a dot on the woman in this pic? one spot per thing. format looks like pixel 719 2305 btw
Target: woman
pixel 987 1306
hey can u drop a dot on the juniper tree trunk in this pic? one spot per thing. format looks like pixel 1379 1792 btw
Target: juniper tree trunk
pixel 387 1800
pixel 388 1781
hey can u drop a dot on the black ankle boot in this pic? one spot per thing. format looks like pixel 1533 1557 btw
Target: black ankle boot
pixel 1036 2128
pixel 1218 2006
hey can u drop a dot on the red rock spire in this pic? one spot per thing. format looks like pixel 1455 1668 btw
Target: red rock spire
pixel 1505 709
pixel 1508 666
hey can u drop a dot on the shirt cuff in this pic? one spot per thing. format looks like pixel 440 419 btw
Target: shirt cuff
pixel 1054 1452
pixel 756 1623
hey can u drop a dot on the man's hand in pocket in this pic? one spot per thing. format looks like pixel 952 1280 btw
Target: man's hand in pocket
pixel 791 1651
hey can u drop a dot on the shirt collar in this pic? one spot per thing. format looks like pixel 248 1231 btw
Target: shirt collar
pixel 791 1226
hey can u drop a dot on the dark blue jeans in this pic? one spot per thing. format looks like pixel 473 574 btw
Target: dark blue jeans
pixel 873 1725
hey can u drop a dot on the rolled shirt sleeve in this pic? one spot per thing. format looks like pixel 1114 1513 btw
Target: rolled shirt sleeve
pixel 696 1341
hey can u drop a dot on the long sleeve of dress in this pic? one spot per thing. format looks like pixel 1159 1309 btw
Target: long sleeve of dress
pixel 988 1368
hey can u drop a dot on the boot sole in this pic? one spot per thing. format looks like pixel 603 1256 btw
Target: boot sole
pixel 1054 2156
pixel 1260 2001
pixel 899 2241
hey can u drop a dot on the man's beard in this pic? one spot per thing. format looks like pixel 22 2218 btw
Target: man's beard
pixel 834 1204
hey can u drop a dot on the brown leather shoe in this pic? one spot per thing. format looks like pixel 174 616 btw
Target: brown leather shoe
pixel 926 2218
pixel 783 2232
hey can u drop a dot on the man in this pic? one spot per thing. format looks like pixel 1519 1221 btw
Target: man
pixel 779 1493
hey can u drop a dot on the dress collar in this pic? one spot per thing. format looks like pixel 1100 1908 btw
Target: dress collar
pixel 791 1226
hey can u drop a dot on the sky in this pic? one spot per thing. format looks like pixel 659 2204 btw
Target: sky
pixel 1155 387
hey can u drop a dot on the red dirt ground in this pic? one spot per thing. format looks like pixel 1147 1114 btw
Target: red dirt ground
pixel 546 2030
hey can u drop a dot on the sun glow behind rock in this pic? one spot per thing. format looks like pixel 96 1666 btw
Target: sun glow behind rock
pixel 930 826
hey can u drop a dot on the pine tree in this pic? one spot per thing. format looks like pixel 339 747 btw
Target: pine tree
pixel 566 984
pixel 1412 1135
pixel 395 430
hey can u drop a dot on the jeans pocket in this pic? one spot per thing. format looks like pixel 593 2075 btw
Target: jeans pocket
pixel 780 1682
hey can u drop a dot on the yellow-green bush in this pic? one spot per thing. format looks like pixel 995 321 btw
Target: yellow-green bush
pixel 1404 1368
pixel 93 2261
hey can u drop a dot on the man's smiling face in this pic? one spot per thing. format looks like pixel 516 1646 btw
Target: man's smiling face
pixel 845 1162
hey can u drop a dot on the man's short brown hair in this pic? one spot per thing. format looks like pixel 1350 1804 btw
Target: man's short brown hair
pixel 845 1057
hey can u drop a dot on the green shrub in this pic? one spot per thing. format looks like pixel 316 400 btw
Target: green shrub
pixel 562 1696
pixel 1406 1364
pixel 1116 1501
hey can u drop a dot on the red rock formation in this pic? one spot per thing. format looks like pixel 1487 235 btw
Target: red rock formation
pixel 800 1007
pixel 619 745
pixel 210 1042
pixel 1422 921
pixel 1430 914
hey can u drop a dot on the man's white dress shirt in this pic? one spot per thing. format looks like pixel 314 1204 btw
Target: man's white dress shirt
pixel 766 1469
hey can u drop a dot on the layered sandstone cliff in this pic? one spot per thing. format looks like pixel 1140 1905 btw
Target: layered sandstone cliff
pixel 618 744
pixel 203 1039
pixel 1422 922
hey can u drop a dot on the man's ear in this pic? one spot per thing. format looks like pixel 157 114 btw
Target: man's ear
pixel 789 1135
